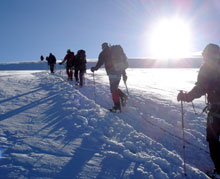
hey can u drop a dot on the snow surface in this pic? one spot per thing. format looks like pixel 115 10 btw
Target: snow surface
pixel 51 129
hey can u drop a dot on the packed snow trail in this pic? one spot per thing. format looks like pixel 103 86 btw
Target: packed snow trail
pixel 48 129
pixel 160 118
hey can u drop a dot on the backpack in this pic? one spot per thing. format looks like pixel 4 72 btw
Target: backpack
pixel 118 58
pixel 53 60
pixel 80 61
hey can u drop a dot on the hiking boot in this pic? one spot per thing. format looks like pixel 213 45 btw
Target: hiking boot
pixel 116 108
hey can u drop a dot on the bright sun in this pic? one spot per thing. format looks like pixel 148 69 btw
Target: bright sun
pixel 170 38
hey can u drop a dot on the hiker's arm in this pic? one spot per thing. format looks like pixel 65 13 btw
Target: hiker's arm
pixel 65 58
pixel 202 84
pixel 100 61
pixel 200 88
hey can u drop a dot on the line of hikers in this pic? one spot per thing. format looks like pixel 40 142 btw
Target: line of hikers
pixel 208 82
pixel 73 62
pixel 114 60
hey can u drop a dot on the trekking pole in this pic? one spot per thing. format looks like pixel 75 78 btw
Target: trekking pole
pixel 94 86
pixel 126 87
pixel 184 153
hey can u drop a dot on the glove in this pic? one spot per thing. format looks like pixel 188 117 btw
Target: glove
pixel 184 97
pixel 93 69
pixel 60 63
pixel 125 78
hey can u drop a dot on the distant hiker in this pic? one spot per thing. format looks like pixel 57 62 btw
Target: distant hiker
pixel 42 58
pixel 208 82
pixel 51 62
pixel 69 59
pixel 80 67
pixel 115 62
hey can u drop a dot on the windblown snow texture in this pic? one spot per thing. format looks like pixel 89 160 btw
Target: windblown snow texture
pixel 49 129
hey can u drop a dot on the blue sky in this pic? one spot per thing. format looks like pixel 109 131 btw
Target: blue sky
pixel 31 28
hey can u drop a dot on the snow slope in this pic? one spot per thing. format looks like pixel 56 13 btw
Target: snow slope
pixel 50 129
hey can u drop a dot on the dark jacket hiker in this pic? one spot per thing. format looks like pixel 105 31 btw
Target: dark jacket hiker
pixel 80 67
pixel 51 62
pixel 208 82
pixel 42 58
pixel 115 62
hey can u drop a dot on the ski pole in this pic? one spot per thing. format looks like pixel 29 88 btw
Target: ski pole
pixel 184 153
pixel 94 86
pixel 126 86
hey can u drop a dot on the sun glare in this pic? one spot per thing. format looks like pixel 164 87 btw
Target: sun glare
pixel 170 38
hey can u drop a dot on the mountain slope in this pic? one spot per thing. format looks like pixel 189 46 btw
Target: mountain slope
pixel 50 129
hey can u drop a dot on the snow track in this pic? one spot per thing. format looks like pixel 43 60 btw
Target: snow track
pixel 49 129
